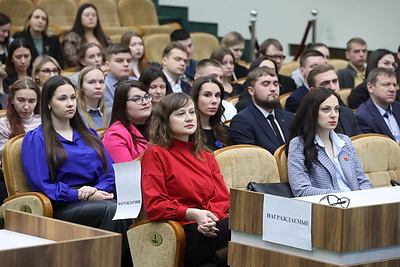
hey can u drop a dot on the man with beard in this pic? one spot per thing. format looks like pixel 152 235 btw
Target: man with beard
pixel 262 123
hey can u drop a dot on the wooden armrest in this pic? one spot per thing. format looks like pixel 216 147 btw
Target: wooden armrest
pixel 31 202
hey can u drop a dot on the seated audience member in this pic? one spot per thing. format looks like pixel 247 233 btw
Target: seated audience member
pixel 126 138
pixel 325 76
pixel 308 61
pixel 35 34
pixel 90 95
pixel 354 73
pixel 380 58
pixel 156 84
pixel 89 54
pixel 262 123
pixel 18 63
pixel 320 161
pixel 43 68
pixel 181 181
pixel 135 43
pixel 213 68
pixel 56 157
pixel 174 65
pixel 274 50
pixel 23 110
pixel 296 74
pixel 235 42
pixel 225 56
pixel 3 95
pixel 86 29
pixel 182 36
pixel 5 40
pixel 207 94
pixel 245 98
pixel 381 113
pixel 118 61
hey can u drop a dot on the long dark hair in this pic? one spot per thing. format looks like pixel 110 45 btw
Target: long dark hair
pixel 17 43
pixel 55 152
pixel 119 108
pixel 14 120
pixel 160 132
pixel 374 58
pixel 4 19
pixel 219 131
pixel 98 31
pixel 151 73
pixel 306 121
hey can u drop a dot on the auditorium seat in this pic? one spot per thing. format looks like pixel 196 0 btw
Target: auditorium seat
pixel 154 44
pixel 283 98
pixel 344 95
pixel 281 161
pixel 204 44
pixel 18 11
pixel 288 67
pixel 379 156
pixel 61 12
pixel 338 63
pixel 143 12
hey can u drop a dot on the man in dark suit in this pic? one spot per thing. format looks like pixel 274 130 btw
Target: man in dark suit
pixel 174 66
pixel 308 61
pixel 325 76
pixel 261 123
pixel 381 113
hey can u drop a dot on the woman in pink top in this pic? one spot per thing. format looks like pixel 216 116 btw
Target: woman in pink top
pixel 126 138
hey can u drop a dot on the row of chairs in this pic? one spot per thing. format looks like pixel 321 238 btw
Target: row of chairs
pixel 288 67
pixel 116 17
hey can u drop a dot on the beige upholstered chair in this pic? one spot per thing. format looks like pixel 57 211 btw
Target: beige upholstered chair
pixel 18 11
pixel 110 22
pixel 338 63
pixel 101 132
pixel 20 196
pixel 288 67
pixel 154 45
pixel 234 100
pixel 344 95
pixel 281 160
pixel 61 12
pixel 241 80
pixel 3 112
pixel 204 44
pixel 241 164
pixel 283 98
pixel 157 243
pixel 143 12
pixel 379 156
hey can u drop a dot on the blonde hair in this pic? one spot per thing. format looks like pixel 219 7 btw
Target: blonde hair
pixel 3 75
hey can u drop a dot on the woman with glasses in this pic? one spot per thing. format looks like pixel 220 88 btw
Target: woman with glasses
pixel 126 138
pixel 18 63
pixel 380 58
pixel 225 56
pixel 23 110
pixel 35 33
pixel 90 95
pixel 321 161
pixel 43 68
pixel 207 94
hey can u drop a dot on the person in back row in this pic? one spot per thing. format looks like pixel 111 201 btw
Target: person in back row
pixel 183 37
pixel 262 123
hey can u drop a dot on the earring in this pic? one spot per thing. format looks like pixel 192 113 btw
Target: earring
pixel 49 106
pixel 82 92
pixel 37 80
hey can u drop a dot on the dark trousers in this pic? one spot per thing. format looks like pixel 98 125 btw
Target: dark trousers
pixel 201 249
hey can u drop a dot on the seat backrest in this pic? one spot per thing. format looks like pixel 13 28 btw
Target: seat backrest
pixel 234 99
pixel 283 98
pixel 101 132
pixel 379 156
pixel 154 45
pixel 107 11
pixel 281 160
pixel 61 12
pixel 204 44
pixel 344 95
pixel 288 67
pixel 12 166
pixel 17 10
pixel 157 243
pixel 241 164
pixel 137 12
pixel 338 63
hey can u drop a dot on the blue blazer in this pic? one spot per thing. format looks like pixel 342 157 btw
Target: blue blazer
pixel 293 101
pixel 322 179
pixel 371 121
pixel 251 127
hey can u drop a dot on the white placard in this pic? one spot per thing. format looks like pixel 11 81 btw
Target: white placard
pixel 287 221
pixel 129 191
